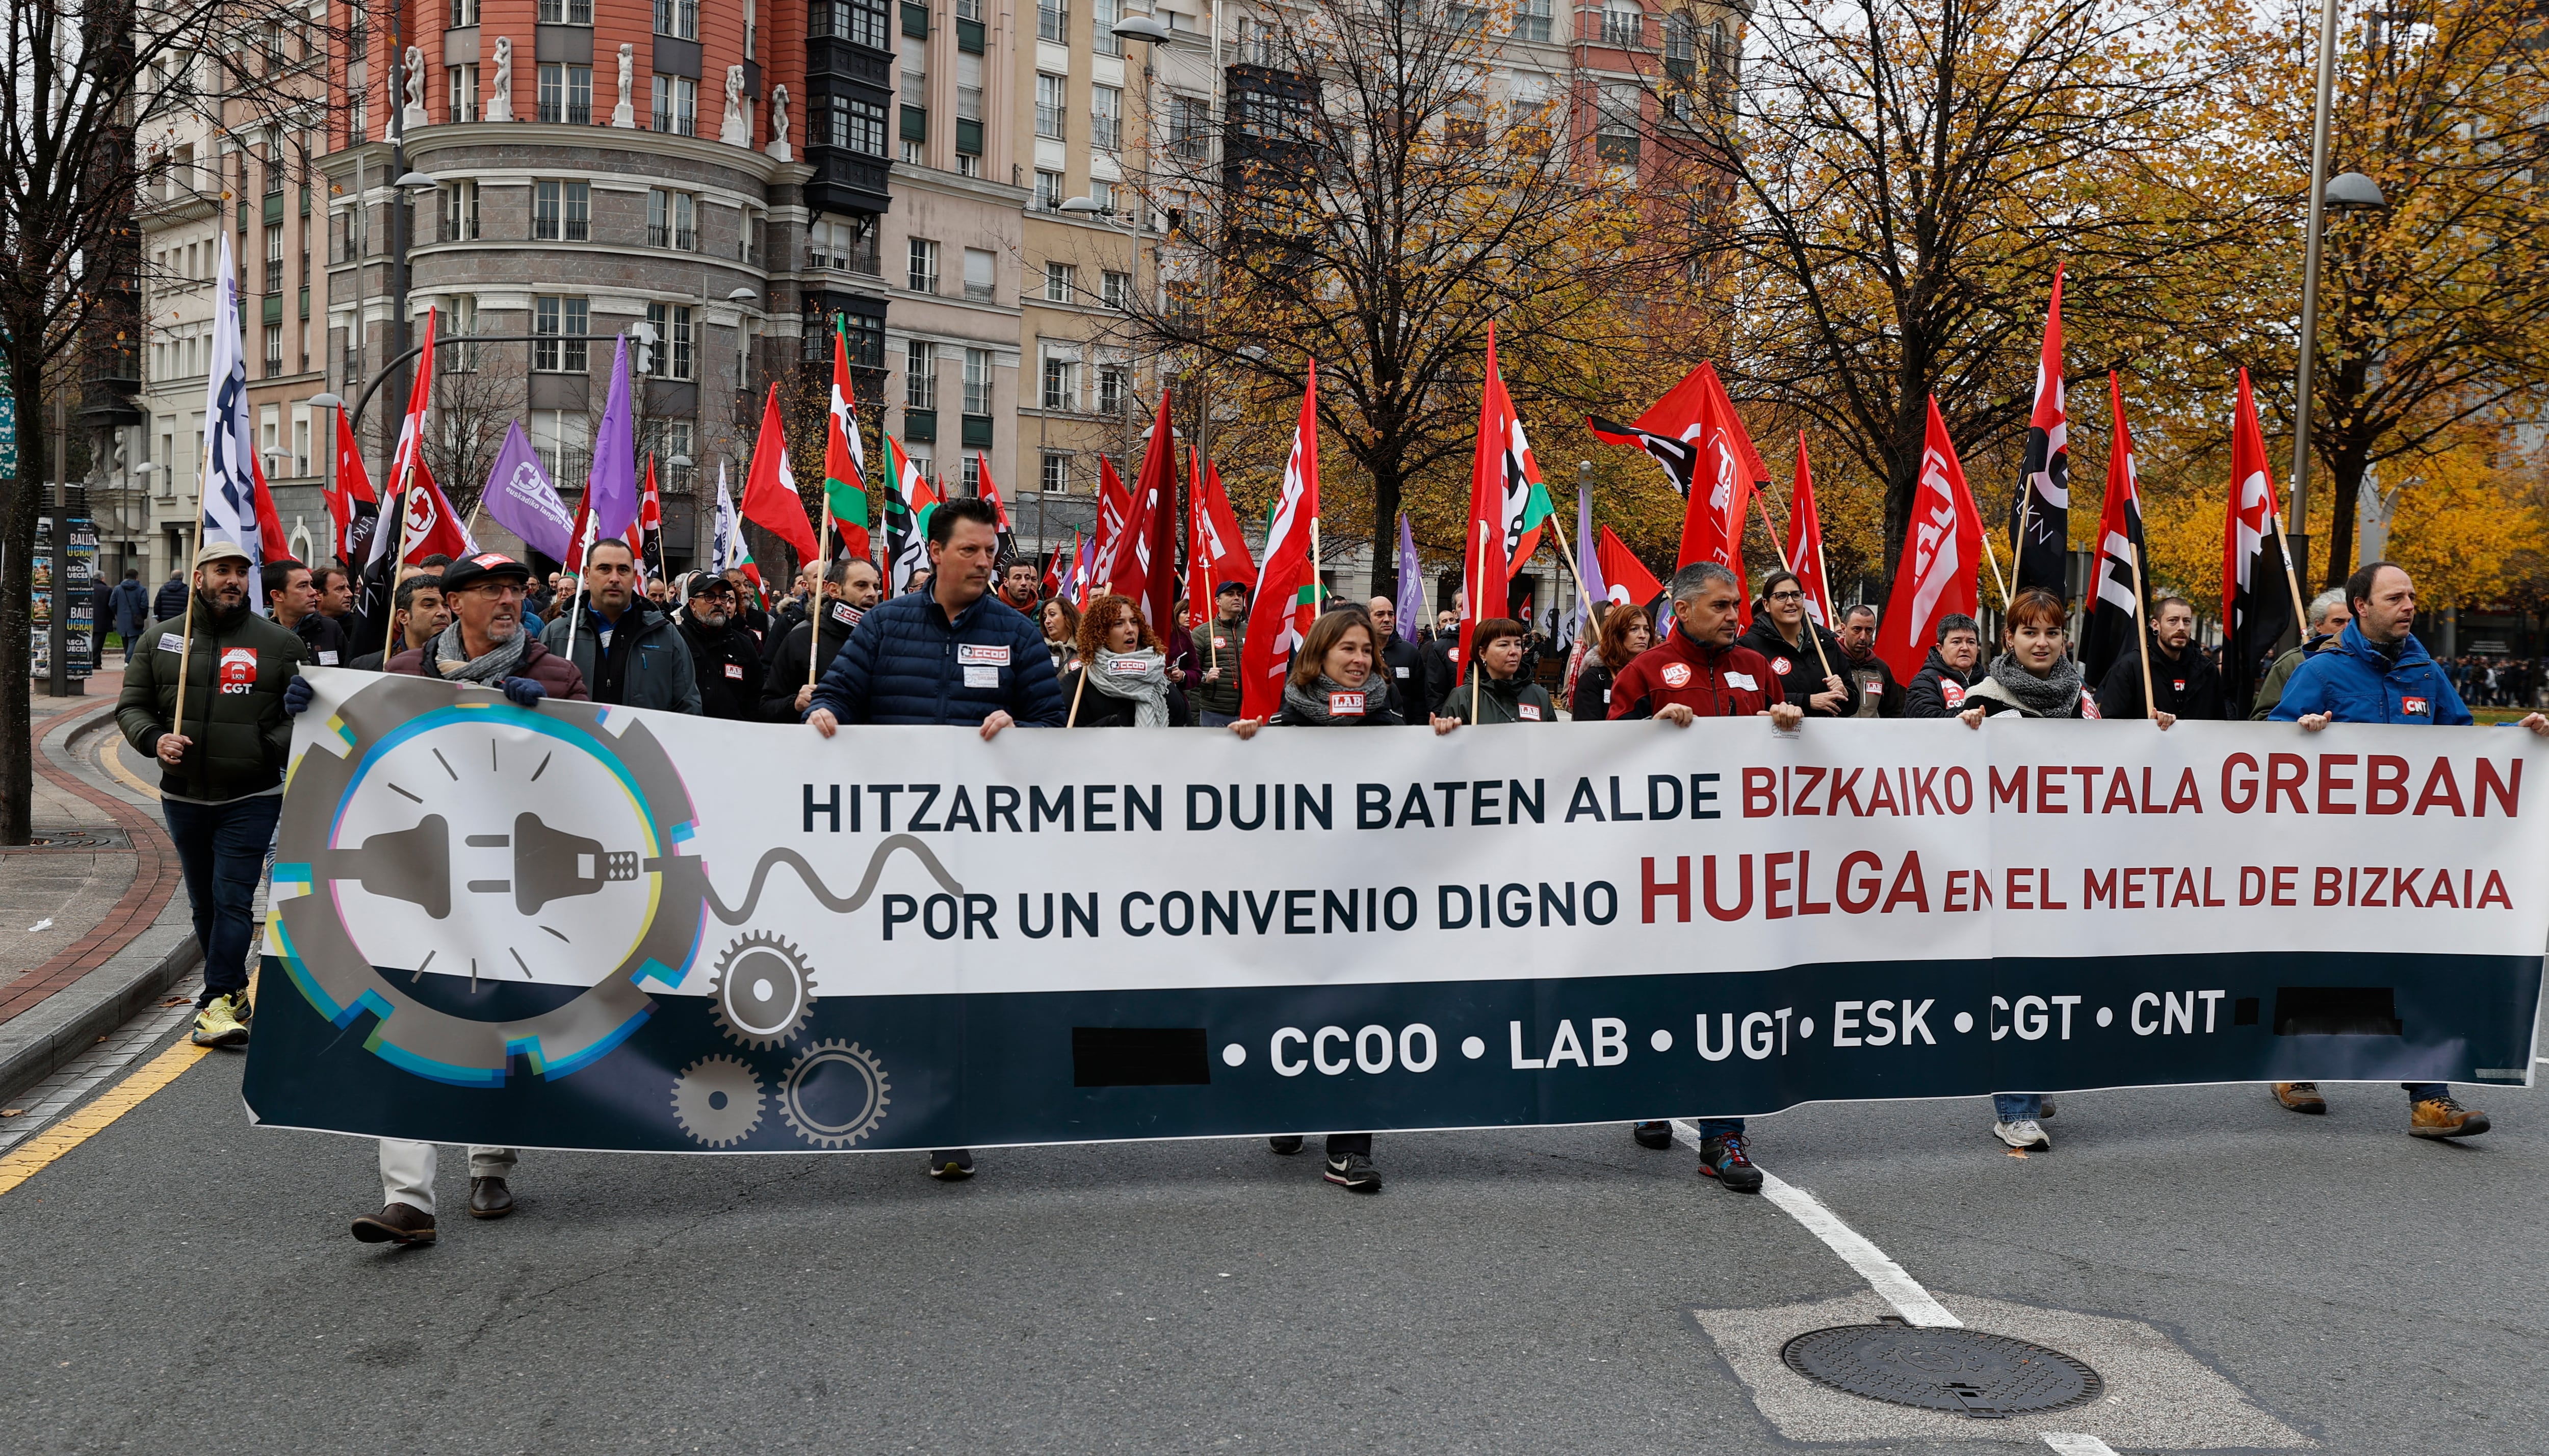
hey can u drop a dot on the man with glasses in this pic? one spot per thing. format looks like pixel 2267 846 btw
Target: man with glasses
pixel 1873 692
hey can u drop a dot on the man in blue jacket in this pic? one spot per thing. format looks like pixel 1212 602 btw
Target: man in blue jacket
pixel 2376 671
pixel 951 654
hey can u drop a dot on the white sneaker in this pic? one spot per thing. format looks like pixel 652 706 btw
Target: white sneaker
pixel 2022 1133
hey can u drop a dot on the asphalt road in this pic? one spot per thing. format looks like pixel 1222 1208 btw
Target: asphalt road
pixel 185 1282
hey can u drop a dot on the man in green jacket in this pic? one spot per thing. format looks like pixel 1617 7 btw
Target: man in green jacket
pixel 2328 615
pixel 220 783
pixel 1216 693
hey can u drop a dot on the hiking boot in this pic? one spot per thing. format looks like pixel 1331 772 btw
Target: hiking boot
pixel 1352 1172
pixel 952 1165
pixel 2301 1096
pixel 1658 1135
pixel 398 1223
pixel 2440 1117
pixel 1287 1144
pixel 489 1198
pixel 218 1023
pixel 1723 1159
pixel 2022 1133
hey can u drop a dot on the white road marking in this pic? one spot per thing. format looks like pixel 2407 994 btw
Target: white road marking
pixel 1882 1274
pixel 2072 1443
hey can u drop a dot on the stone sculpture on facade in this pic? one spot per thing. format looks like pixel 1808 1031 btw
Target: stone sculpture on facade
pixel 779 124
pixel 737 131
pixel 625 115
pixel 499 100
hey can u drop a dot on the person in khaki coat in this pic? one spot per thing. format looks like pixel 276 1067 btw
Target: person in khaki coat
pixel 221 786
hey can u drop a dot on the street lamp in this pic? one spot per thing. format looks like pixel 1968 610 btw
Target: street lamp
pixel 744 296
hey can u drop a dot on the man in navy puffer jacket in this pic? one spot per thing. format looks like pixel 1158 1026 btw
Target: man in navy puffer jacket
pixel 952 654
pixel 2376 671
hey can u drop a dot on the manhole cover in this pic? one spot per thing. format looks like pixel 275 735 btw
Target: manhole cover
pixel 77 838
pixel 1962 1370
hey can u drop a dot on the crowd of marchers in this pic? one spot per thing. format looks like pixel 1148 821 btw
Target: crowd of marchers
pixel 972 641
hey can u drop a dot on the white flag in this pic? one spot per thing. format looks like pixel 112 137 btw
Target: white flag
pixel 230 441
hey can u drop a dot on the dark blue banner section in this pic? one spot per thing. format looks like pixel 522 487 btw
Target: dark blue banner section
pixel 988 1069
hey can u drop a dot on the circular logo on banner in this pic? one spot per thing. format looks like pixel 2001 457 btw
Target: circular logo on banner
pixel 1780 665
pixel 1676 674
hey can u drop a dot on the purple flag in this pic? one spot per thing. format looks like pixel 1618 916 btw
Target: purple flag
pixel 612 489
pixel 1588 562
pixel 1411 584
pixel 518 495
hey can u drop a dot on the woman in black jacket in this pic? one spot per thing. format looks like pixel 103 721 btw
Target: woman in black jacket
pixel 1807 658
pixel 1332 685
pixel 1625 634
pixel 1498 688
pixel 1123 679
pixel 1937 690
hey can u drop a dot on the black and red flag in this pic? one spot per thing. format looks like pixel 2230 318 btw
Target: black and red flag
pixel 2108 633
pixel 2039 519
pixel 2256 603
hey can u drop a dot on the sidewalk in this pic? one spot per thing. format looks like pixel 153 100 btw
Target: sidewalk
pixel 94 925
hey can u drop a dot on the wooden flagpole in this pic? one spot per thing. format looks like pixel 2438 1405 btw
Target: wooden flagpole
pixel 1475 673
pixel 1999 580
pixel 2301 614
pixel 397 558
pixel 1804 619
pixel 2142 629
pixel 186 623
pixel 815 617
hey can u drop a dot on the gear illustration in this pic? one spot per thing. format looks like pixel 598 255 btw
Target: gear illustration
pixel 764 991
pixel 846 1087
pixel 718 1100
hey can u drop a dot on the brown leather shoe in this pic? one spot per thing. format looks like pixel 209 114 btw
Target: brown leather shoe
pixel 2301 1096
pixel 398 1223
pixel 489 1198
pixel 2440 1117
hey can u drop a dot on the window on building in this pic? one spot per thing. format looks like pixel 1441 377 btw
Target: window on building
pixel 861 22
pixel 866 334
pixel 1190 123
pixel 968 9
pixel 1117 289
pixel 1103 15
pixel 566 12
pixel 301 445
pixel 1106 118
pixel 679 18
pixel 463 92
pixel 851 123
pixel 978 273
pixel 1533 19
pixel 1052 99
pixel 464 13
pixel 977 381
pixel 1061 283
pixel 1053 20
pixel 1061 384
pixel 562 212
pixel 560 316
pixel 922 275
pixel 274 259
pixel 1054 476
pixel 1110 389
pixel 919 374
pixel 273 351
pixel 1624 27
pixel 674 357
pixel 1049 191
pixel 566 94
pixel 670 220
pixel 847 245
pixel 460 315
pixel 459 212
pixel 677 105
pixel 1616 123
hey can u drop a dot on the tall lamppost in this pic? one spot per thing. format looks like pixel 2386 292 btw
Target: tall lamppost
pixel 2346 192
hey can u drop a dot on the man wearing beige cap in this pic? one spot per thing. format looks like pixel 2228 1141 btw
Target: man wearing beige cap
pixel 220 783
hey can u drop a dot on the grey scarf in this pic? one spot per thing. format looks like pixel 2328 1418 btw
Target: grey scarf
pixel 1308 705
pixel 2055 695
pixel 452 660
pixel 1113 674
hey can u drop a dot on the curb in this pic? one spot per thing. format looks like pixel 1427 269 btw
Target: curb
pixel 141 988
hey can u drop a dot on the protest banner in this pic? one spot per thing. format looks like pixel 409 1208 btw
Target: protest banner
pixel 598 928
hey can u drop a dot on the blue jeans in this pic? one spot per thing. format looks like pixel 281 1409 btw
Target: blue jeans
pixel 2016 1106
pixel 2426 1090
pixel 1207 717
pixel 221 848
pixel 1711 1128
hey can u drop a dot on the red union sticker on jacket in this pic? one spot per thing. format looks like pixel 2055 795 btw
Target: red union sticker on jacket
pixel 971 653
pixel 1344 705
pixel 238 669
pixel 1676 674
pixel 2414 706
pixel 1529 712
pixel 1950 692
pixel 1779 667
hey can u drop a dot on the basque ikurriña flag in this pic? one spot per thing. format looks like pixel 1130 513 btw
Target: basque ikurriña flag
pixel 2256 604
pixel 1278 616
pixel 1942 550
pixel 2039 519
pixel 2108 633
pixel 845 468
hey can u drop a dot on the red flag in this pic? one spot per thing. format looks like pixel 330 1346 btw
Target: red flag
pixel 1712 527
pixel 1484 585
pixel 1230 558
pixel 1052 584
pixel 1670 428
pixel 646 533
pixel 1942 548
pixel 769 498
pixel 2256 607
pixel 1145 566
pixel 272 544
pixel 1199 579
pixel 1806 540
pixel 431 529
pixel 1279 615
pixel 1114 509
pixel 1624 575
pixel 350 524
pixel 583 535
pixel 2039 516
pixel 990 490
